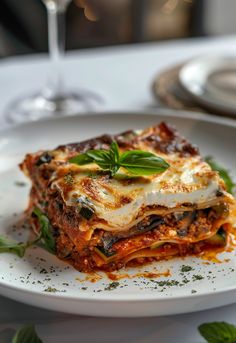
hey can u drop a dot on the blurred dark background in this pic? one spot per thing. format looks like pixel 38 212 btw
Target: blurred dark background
pixel 23 23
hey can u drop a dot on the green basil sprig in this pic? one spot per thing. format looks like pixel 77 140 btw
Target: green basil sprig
pixel 218 332
pixel 136 162
pixel 215 332
pixel 224 174
pixel 7 245
pixel 45 237
pixel 27 334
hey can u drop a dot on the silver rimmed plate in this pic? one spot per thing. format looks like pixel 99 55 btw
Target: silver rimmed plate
pixel 43 280
pixel 211 82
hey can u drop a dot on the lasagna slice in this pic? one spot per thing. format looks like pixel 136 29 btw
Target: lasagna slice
pixel 104 222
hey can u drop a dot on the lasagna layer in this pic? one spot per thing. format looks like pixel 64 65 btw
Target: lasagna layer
pixel 104 222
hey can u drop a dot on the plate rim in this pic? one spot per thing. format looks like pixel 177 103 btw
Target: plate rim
pixel 196 115
pixel 114 297
pixel 201 99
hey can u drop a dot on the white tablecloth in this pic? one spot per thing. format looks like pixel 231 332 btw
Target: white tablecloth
pixel 122 76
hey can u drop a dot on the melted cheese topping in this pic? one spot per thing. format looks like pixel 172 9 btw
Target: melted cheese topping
pixel 120 201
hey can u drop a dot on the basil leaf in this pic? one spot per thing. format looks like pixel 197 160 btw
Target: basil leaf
pixel 7 245
pixel 27 334
pixel 218 332
pixel 224 174
pixel 114 169
pixel 115 152
pixel 45 231
pixel 101 158
pixel 106 159
pixel 139 162
pixel 81 159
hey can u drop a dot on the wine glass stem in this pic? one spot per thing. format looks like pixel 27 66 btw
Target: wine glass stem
pixel 56 41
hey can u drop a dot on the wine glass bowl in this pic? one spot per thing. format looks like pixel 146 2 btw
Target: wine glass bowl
pixel 55 99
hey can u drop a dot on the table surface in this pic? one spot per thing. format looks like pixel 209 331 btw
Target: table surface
pixel 100 70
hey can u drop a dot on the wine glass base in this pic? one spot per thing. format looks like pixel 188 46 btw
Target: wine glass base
pixel 37 106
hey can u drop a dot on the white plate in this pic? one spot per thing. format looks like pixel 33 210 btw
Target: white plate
pixel 28 279
pixel 211 81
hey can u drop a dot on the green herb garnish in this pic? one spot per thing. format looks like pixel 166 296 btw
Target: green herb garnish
pixel 224 174
pixel 215 332
pixel 218 332
pixel 18 248
pixel 27 334
pixel 113 285
pixel 197 277
pixel 136 162
pixel 185 269
pixel 50 290
pixel 45 235
pixel 7 245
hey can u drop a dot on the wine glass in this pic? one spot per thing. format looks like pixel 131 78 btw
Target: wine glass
pixel 54 99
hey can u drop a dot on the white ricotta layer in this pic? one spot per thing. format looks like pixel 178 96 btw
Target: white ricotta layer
pixel 126 213
pixel 188 180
